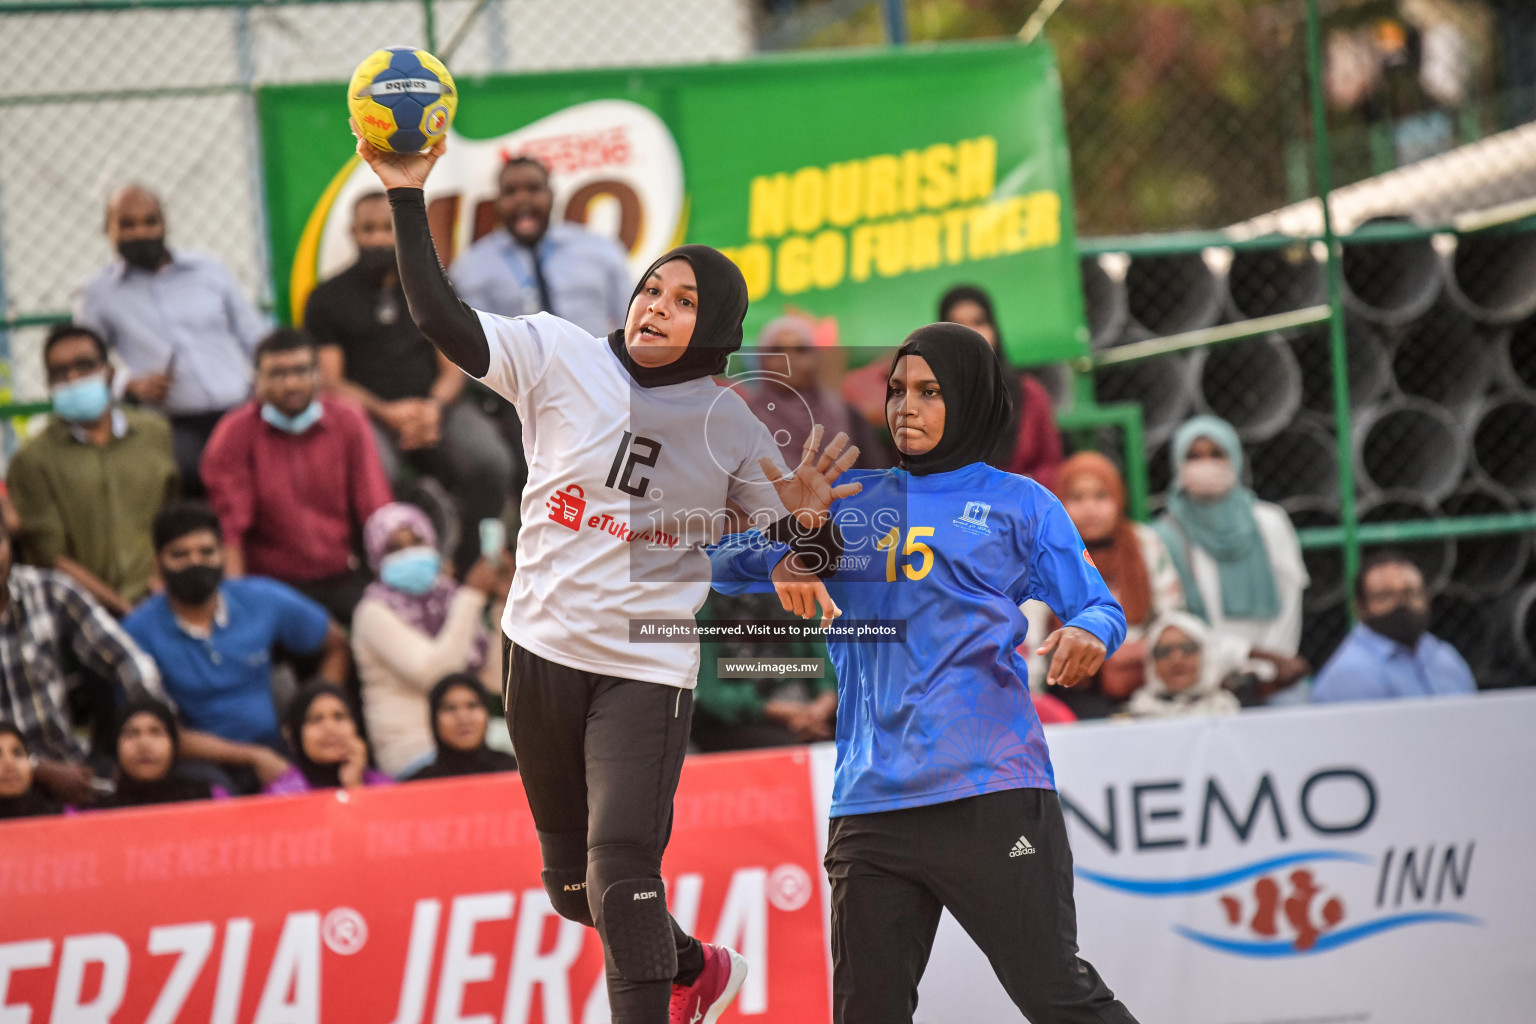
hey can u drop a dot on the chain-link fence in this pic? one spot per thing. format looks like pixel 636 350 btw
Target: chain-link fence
pixel 161 92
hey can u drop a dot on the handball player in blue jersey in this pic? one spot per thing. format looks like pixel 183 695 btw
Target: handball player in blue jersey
pixel 944 795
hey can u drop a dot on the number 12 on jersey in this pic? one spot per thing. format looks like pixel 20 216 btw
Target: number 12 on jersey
pixel 644 452
pixel 913 546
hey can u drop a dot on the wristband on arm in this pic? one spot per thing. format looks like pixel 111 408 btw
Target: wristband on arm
pixel 821 547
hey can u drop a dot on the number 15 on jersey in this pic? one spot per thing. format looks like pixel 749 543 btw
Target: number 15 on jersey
pixel 913 546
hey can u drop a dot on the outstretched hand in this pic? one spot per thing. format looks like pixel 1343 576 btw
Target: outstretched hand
pixel 398 170
pixel 1075 653
pixel 808 492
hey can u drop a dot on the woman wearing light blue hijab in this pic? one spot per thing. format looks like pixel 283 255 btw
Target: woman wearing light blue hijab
pixel 1237 556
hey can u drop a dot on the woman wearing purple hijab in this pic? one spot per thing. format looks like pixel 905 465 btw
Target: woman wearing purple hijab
pixel 412 627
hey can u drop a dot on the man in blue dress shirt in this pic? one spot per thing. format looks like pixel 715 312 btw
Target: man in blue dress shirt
pixel 529 265
pixel 1390 653
pixel 180 322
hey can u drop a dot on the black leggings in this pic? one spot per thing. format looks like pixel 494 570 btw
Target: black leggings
pixel 600 758
pixel 1001 865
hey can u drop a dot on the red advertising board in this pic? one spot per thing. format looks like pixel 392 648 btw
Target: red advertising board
pixel 400 905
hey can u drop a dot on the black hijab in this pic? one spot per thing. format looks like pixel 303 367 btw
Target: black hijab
pixel 450 760
pixel 34 802
pixel 1002 453
pixel 170 787
pixel 319 776
pixel 976 404
pixel 717 330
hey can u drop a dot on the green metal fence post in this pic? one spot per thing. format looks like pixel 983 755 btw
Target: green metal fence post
pixel 429 25
pixel 896 21
pixel 1084 417
pixel 1340 361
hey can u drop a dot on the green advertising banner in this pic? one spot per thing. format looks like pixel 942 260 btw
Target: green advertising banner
pixel 853 186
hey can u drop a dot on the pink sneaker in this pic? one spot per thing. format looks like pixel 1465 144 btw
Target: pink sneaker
pixel 717 984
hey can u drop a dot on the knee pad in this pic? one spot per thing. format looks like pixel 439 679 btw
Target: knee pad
pixel 632 913
pixel 565 875
pixel 568 895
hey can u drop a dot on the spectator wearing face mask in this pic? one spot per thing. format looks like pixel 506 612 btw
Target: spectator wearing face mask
pixel 293 477
pixel 328 752
pixel 148 759
pixel 1390 653
pixel 213 639
pixel 179 321
pixel 1237 557
pixel 460 717
pixel 20 796
pixel 412 626
pixel 88 487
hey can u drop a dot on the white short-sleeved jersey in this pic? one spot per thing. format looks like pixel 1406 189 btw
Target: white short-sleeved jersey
pixel 625 486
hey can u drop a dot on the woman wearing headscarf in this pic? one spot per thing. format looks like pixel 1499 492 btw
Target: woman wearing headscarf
pixel 146 747
pixel 328 751
pixel 460 713
pixel 1135 566
pixel 1237 557
pixel 1030 444
pixel 413 625
pixel 943 777
pixel 637 460
pixel 791 399
pixel 20 796
pixel 1186 667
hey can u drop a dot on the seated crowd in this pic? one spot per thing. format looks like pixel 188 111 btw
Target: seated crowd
pixel 296 627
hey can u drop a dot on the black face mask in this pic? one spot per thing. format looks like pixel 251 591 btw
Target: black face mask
pixel 1403 624
pixel 194 584
pixel 376 261
pixel 144 253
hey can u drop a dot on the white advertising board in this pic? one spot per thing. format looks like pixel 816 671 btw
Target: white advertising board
pixel 1363 863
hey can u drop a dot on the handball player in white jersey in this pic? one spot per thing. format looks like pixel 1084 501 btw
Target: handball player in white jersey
pixel 635 455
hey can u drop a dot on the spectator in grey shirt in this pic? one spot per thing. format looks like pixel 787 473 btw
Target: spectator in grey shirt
pixel 177 319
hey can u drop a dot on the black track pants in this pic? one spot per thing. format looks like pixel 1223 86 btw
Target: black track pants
pixel 601 755
pixel 893 872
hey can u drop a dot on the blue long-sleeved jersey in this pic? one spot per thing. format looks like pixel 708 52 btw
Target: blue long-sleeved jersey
pixel 947 714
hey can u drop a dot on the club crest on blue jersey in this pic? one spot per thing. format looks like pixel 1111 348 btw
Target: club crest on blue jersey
pixel 975 517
